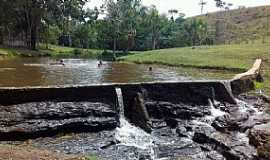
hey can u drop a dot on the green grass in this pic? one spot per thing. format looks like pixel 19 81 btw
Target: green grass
pixel 220 56
pixel 224 57
pixel 51 51
pixel 68 52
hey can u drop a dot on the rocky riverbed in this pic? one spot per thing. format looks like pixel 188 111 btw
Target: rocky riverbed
pixel 179 131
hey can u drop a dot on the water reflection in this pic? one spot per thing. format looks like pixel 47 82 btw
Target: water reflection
pixel 40 72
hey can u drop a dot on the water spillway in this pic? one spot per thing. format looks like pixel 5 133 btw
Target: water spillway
pixel 130 121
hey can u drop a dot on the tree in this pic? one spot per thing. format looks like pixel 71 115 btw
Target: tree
pixel 202 4
pixel 220 3
pixel 155 22
pixel 172 12
pixel 29 15
pixel 197 32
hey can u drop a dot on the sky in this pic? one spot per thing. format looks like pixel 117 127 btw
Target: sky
pixel 189 7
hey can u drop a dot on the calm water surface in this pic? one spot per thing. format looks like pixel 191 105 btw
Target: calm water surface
pixel 40 72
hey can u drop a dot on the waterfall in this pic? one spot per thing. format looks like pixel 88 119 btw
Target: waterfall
pixel 245 107
pixel 214 111
pixel 129 135
pixel 120 102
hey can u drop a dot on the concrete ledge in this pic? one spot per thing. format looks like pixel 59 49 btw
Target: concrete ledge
pixel 185 91
pixel 244 82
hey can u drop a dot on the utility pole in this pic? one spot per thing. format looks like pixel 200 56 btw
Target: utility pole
pixel 202 4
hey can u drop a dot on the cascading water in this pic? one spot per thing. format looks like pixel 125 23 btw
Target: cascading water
pixel 129 135
pixel 245 107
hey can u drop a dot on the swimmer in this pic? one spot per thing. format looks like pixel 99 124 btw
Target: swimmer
pixel 150 69
pixel 60 62
pixel 100 64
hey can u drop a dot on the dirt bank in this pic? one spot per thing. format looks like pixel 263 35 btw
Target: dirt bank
pixel 24 152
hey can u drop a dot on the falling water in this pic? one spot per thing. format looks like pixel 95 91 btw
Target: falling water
pixel 120 102
pixel 129 135
pixel 214 111
pixel 245 107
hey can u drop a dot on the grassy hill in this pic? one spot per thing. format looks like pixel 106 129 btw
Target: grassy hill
pixel 235 57
pixel 243 25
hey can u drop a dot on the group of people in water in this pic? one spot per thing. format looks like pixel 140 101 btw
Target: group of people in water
pixel 100 64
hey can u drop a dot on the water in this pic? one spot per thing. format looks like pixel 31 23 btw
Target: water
pixel 214 111
pixel 39 72
pixel 245 107
pixel 120 102
pixel 129 135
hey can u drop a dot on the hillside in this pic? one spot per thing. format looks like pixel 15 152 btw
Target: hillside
pixel 234 57
pixel 243 25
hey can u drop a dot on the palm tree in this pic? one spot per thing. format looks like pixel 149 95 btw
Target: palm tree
pixel 202 4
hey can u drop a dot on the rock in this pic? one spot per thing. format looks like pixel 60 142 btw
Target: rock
pixel 37 119
pixel 182 132
pixel 231 122
pixel 139 115
pixel 260 137
pixel 161 110
pixel 230 146
pixel 180 149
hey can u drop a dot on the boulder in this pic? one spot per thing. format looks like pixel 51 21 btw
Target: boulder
pixel 162 110
pixel 37 119
pixel 231 122
pixel 231 146
pixel 140 116
pixel 260 137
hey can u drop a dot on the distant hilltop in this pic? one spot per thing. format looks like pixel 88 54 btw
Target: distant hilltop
pixel 240 25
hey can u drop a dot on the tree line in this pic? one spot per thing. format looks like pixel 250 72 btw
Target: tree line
pixel 126 25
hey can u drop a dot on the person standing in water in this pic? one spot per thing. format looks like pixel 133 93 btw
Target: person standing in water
pixel 100 63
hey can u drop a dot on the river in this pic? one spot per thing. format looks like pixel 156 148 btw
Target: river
pixel 180 130
pixel 18 72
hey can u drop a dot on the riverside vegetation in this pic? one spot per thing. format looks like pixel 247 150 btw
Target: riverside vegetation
pixel 236 58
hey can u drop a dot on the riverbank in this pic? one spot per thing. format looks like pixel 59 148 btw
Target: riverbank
pixel 26 152
pixel 220 57
pixel 51 51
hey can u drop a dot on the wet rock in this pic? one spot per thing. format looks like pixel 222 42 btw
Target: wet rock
pixel 260 102
pixel 231 122
pixel 239 121
pixel 182 132
pixel 139 115
pixel 260 138
pixel 35 119
pixel 162 110
pixel 182 148
pixel 158 123
pixel 229 146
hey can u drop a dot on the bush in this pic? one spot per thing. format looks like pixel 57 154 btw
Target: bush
pixel 77 52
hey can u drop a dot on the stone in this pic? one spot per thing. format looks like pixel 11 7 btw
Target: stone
pixel 260 137
pixel 232 122
pixel 48 118
pixel 227 145
pixel 140 116
pixel 161 110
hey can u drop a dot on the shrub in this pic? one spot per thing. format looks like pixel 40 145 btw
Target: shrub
pixel 77 52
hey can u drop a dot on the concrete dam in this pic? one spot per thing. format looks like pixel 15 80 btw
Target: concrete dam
pixel 187 119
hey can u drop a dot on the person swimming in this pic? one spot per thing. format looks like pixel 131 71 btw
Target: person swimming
pixel 62 62
pixel 100 63
pixel 59 62
pixel 150 69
